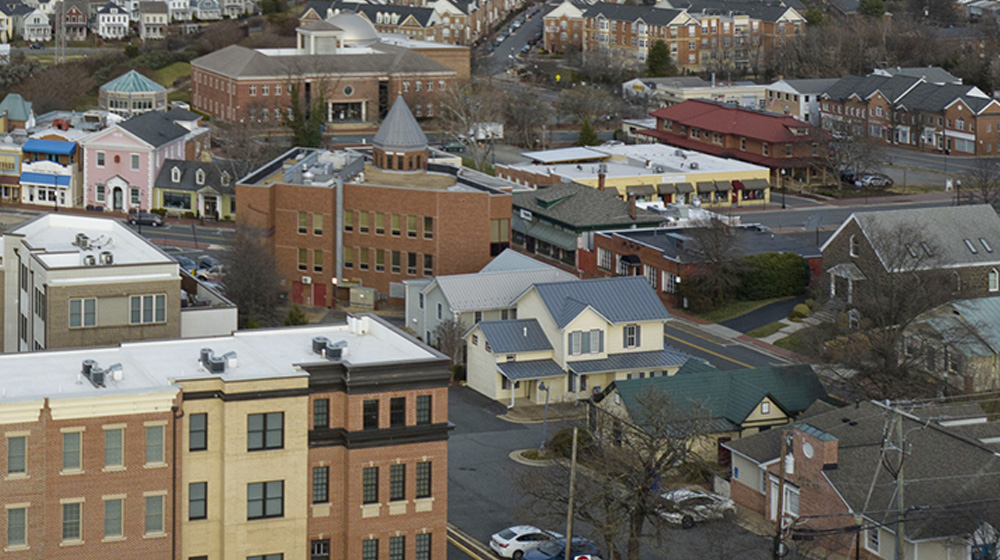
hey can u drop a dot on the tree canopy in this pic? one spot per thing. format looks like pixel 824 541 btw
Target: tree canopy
pixel 658 62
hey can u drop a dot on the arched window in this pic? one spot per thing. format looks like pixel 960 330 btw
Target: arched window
pixel 994 280
pixel 199 177
pixel 175 175
pixel 854 246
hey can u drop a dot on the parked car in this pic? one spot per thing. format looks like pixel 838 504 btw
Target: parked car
pixel 37 46
pixel 525 49
pixel 186 263
pixel 556 550
pixel 875 181
pixel 514 541
pixel 687 507
pixel 453 146
pixel 145 219
pixel 209 268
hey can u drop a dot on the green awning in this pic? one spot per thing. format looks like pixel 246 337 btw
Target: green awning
pixel 641 190
pixel 684 188
pixel 545 232
pixel 706 186
pixel 723 186
pixel 755 184
pixel 666 188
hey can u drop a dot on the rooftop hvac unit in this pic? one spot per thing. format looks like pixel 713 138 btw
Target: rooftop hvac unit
pixel 319 343
pixel 693 165
pixel 89 260
pixel 93 373
pixel 82 241
pixel 107 258
pixel 328 349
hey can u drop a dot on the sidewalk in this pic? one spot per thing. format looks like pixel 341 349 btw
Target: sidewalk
pixel 535 413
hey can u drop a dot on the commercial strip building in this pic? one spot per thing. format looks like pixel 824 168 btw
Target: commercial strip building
pixel 648 172
pixel 352 220
pixel 670 91
pixel 71 281
pixel 297 443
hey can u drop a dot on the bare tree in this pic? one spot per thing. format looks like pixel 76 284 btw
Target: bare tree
pixel 525 115
pixel 448 339
pixel 981 184
pixel 623 465
pixel 251 278
pixel 852 149
pixel 463 108
pixel 722 265
pixel 243 145
pixel 582 103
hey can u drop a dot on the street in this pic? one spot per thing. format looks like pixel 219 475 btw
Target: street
pixel 718 351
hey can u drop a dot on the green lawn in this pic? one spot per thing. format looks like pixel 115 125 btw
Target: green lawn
pixel 766 330
pixel 168 75
pixel 733 309
pixel 180 95
pixel 791 342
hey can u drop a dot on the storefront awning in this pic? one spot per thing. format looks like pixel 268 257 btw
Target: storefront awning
pixel 684 188
pixel 755 184
pixel 631 260
pixel 545 232
pixel 706 186
pixel 723 186
pixel 666 188
pixel 641 190
pixel 46 179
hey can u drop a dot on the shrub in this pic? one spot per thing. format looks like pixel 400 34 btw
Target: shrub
pixel 562 443
pixel 160 211
pixel 799 311
pixel 813 304
pixel 189 215
pixel 772 275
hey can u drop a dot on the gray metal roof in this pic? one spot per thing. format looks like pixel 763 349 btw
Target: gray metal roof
pixel 154 128
pixel 971 325
pixel 510 260
pixel 517 335
pixel 215 176
pixel 944 229
pixel 622 299
pixel 683 244
pixel 624 12
pixel 400 130
pixel 811 85
pixel 654 360
pixel 933 74
pixel 582 208
pixel 492 290
pixel 534 369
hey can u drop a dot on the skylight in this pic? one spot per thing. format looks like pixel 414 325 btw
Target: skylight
pixel 986 245
pixel 970 246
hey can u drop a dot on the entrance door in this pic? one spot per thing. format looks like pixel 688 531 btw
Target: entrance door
pixel 211 207
pixel 319 294
pixel 116 199
pixel 297 292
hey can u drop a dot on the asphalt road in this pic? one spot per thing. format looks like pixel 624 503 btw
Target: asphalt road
pixel 952 165
pixel 718 351
pixel 830 215
pixel 503 56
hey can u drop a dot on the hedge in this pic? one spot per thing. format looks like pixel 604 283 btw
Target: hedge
pixel 771 275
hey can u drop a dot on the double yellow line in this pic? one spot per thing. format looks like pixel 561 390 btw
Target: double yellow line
pixel 467 544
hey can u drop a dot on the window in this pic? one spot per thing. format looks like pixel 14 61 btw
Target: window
pixel 424 546
pixel 369 483
pixel 72 451
pixel 363 218
pixel 151 308
pixel 134 196
pixel 396 547
pixel 100 159
pixel 395 222
pixel 791 501
pixel 17 527
pixel 411 264
pixel 198 432
pixel 764 148
pixel 319 550
pixel 317 260
pixel 100 193
pixel 17 453
pixel 428 227
pixel 154 445
pixel 428 265
pixel 321 413
pixel 396 262
pixel 586 342
pixel 369 549
pixel 348 220
pixel 82 312
pixel 632 336
pixel 303 223
pixel 994 280
pixel 266 499
pixel 397 412
pixel 277 556
pixel 321 485
pixel 348 257
pixel 854 244
pixel 765 408
pixel 264 90
pixel 669 283
pixel 439 308
pixel 411 226
pixel 363 262
pixel 135 162
pixel 317 224
pixel 379 260
pixel 871 539
pixel 113 444
pixel 423 479
pixel 277 89
pixel 253 90
pixel 423 409
pixel 397 483
pixel 369 414
pixel 604 260
pixel 265 431
pixel 379 223
pixel 197 500
pixel 71 521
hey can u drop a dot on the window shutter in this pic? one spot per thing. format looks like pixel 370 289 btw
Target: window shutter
pixel 600 341
pixel 638 335
pixel 625 336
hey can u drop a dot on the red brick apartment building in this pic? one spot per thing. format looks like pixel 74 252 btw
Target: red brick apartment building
pixel 910 111
pixel 705 36
pixel 318 443
pixel 357 72
pixel 335 219
pixel 785 144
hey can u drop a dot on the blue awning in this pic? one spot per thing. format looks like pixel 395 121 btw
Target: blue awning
pixel 56 147
pixel 46 179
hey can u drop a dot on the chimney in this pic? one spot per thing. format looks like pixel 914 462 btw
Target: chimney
pixel 631 207
pixel 600 180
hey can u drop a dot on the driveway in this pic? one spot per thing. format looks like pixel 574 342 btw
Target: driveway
pixel 764 315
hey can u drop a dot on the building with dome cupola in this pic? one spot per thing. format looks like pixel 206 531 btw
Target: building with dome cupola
pixel 358 72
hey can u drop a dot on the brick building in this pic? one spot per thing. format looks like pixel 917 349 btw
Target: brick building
pixel 839 492
pixel 72 281
pixel 959 242
pixel 336 219
pixel 324 442
pixel 703 35
pixel 359 73
pixel 913 112
pixel 788 146
pixel 668 257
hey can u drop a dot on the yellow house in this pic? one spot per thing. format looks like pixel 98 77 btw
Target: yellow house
pixel 202 188
pixel 6 27
pixel 730 403
pixel 570 341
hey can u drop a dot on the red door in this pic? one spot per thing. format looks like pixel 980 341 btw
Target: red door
pixel 319 294
pixel 297 292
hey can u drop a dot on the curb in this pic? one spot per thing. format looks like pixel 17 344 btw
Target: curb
pixel 520 459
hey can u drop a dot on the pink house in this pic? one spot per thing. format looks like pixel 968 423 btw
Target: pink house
pixel 120 163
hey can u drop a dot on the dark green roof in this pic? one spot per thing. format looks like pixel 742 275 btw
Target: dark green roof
pixel 583 208
pixel 729 395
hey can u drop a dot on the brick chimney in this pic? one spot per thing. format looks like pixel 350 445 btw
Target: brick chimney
pixel 600 181
pixel 631 207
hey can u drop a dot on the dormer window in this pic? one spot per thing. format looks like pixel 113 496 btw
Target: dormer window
pixel 225 178
pixel 199 177
pixel 175 175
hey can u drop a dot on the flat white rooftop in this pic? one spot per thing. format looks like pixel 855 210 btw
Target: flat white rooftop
pixel 53 237
pixel 149 367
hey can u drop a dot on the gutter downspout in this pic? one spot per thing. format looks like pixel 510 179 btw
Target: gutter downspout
pixel 173 486
pixel 339 235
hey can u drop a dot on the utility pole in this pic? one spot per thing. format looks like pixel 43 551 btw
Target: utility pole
pixel 780 514
pixel 60 32
pixel 569 512
pixel 899 484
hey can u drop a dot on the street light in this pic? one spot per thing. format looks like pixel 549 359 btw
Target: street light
pixel 784 188
pixel 545 423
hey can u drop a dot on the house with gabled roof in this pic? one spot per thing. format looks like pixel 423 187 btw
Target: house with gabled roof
pixel 112 22
pixel 731 403
pixel 17 112
pixel 840 486
pixel 570 340
pixel 960 241
pixel 31 24
pixel 202 188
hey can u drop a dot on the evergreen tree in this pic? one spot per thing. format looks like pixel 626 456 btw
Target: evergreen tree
pixel 658 63
pixel 295 316
pixel 588 134
pixel 871 8
pixel 306 124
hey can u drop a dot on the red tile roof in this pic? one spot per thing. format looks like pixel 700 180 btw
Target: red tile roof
pixel 726 119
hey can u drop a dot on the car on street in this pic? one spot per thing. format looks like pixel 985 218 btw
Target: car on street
pixel 37 46
pixel 514 542
pixel 525 49
pixel 687 507
pixel 453 146
pixel 145 219
pixel 209 268
pixel 186 263
pixel 581 549
pixel 875 181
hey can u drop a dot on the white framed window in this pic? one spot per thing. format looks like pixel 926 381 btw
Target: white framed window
pixel 854 244
pixel 631 336
pixel 994 280
pixel 100 193
pixel 145 309
pixel 100 159
pixel 871 540
pixel 265 90
pixel 651 274
pixel 604 259
pixel 765 408
pixel 154 514
pixel 82 313
pixel 253 90
pixel 154 445
pixel 668 283
pixel 134 161
pixel 17 527
pixel 175 175
pixel 72 521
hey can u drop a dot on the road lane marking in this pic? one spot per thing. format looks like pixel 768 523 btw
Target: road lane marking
pixel 707 351
pixel 697 333
pixel 456 536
